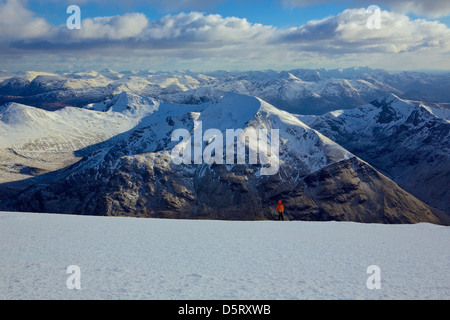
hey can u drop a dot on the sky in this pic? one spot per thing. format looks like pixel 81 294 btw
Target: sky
pixel 206 35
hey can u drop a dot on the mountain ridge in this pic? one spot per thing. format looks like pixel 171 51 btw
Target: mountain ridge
pixel 302 91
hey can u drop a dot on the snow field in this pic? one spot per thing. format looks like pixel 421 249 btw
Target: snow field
pixel 131 258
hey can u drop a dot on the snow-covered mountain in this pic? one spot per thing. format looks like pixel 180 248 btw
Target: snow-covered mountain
pixel 407 140
pixel 33 140
pixel 301 91
pixel 132 173
pixel 128 104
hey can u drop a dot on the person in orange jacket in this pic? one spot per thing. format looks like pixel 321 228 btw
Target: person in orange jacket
pixel 280 209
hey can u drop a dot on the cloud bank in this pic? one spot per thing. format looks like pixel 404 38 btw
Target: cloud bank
pixel 213 41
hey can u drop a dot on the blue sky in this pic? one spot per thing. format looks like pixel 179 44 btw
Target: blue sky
pixel 224 34
pixel 268 12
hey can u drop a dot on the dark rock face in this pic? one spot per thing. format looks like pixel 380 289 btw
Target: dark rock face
pixel 354 191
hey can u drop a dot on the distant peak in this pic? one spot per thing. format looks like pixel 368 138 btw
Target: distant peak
pixel 236 97
pixel 388 99
pixel 392 108
pixel 107 70
pixel 123 94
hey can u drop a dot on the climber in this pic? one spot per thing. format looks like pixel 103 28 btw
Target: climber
pixel 280 209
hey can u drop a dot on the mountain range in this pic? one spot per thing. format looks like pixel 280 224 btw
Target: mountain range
pixel 301 91
pixel 384 162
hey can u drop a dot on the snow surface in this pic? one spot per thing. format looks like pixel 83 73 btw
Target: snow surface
pixel 131 258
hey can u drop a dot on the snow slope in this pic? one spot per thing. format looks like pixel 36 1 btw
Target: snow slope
pixel 47 140
pixel 31 130
pixel 129 258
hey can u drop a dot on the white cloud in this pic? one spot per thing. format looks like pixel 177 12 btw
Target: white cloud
pixel 348 33
pixel 112 28
pixel 430 8
pixel 18 22
pixel 213 28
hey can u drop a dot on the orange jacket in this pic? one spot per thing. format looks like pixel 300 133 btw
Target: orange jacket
pixel 280 207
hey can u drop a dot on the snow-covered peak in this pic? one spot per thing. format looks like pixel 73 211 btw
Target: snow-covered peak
pixel 231 111
pixel 393 110
pixel 126 103
pixel 393 101
pixel 235 110
pixel 405 107
pixel 300 146
pixel 18 114
pixel 385 114
pixel 31 75
pixel 34 132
